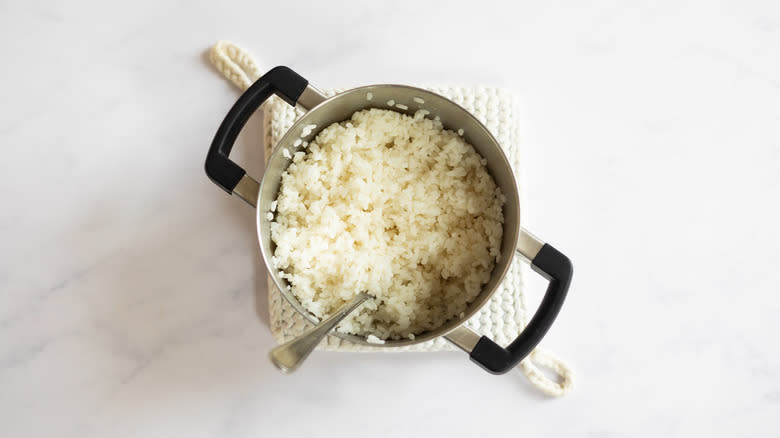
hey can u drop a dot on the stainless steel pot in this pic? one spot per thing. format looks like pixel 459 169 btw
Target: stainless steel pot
pixel 322 111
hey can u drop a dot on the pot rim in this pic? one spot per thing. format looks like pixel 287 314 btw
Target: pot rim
pixel 505 259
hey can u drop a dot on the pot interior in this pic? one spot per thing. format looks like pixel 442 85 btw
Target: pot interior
pixel 341 107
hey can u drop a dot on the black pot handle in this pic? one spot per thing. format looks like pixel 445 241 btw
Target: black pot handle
pixel 281 81
pixel 558 270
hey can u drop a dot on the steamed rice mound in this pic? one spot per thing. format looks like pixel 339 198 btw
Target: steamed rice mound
pixel 393 205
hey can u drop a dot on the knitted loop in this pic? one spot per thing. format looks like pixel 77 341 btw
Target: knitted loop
pixel 235 63
pixel 530 367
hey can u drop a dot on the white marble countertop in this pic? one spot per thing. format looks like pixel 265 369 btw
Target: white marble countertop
pixel 132 296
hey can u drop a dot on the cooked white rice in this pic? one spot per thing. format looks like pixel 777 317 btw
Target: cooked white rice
pixel 395 206
pixel 307 130
pixel 371 339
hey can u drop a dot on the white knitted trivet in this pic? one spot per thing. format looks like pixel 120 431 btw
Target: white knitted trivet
pixel 504 316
